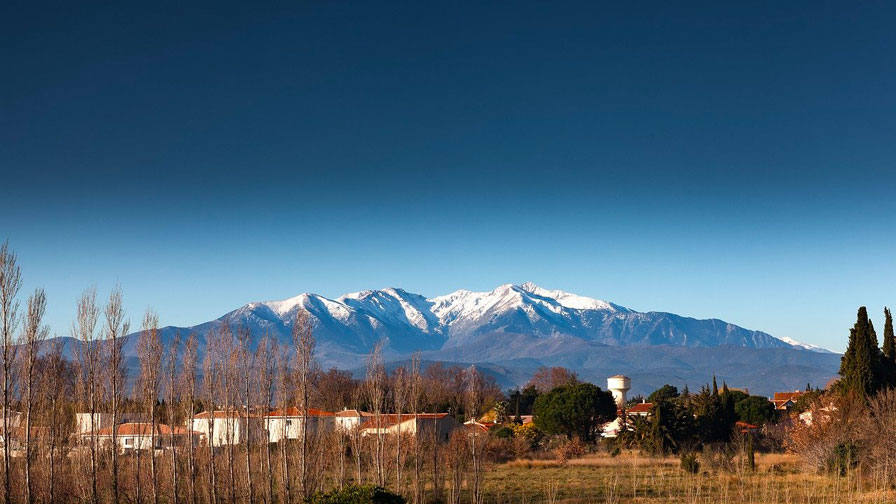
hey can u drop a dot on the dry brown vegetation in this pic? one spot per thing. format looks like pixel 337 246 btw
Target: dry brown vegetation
pixel 632 478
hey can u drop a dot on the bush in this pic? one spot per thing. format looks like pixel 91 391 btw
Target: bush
pixel 689 463
pixel 502 432
pixel 570 449
pixel 357 494
pixel 845 456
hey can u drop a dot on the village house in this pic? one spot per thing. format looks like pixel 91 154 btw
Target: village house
pixel 220 428
pixel 349 419
pixel 783 401
pixel 138 436
pixel 287 423
pixel 422 424
pixel 624 417
pixel 83 424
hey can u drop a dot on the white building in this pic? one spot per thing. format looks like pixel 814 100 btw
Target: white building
pixel 347 419
pixel 439 424
pixel 220 428
pixel 138 436
pixel 287 423
pixel 100 421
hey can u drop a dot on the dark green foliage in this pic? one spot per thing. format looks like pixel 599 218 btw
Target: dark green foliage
pixel 689 463
pixel 664 393
pixel 861 368
pixel 756 410
pixel 714 415
pixel 889 349
pixel 738 396
pixel 502 432
pixel 357 494
pixel 805 401
pixel 669 427
pixel 844 457
pixel 520 402
pixel 575 410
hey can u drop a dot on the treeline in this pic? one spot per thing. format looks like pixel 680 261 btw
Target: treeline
pixel 229 371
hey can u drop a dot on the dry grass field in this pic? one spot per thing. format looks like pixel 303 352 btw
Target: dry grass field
pixel 630 478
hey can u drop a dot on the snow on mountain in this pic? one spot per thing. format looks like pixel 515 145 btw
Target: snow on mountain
pixel 520 327
pixel 408 321
pixel 807 346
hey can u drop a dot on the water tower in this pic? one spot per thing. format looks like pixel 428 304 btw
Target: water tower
pixel 619 385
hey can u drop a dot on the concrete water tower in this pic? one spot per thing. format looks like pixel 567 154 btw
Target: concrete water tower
pixel 619 385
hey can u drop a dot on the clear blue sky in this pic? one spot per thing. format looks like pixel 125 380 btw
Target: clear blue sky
pixel 710 159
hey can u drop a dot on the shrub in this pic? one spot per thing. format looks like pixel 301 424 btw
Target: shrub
pixel 502 432
pixel 689 463
pixel 569 449
pixel 845 456
pixel 357 494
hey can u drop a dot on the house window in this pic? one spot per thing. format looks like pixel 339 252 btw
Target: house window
pixel 128 442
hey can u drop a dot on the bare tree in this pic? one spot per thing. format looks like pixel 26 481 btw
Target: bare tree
pixel 35 332
pixel 149 351
pixel 303 339
pixel 283 398
pixel 173 399
pixel 355 437
pixel 546 379
pixel 10 283
pixel 228 363
pixel 56 388
pixel 210 381
pixel 415 399
pixel 474 404
pixel 115 328
pixel 266 355
pixel 188 372
pixel 247 361
pixel 84 330
pixel 375 386
pixel 399 396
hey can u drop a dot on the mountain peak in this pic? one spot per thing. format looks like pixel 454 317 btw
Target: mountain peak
pixel 393 313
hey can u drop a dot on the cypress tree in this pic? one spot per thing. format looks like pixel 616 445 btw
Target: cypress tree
pixel 860 367
pixel 889 349
pixel 715 387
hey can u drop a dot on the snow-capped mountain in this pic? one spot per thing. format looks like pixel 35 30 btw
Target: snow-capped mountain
pixel 514 329
pixel 408 322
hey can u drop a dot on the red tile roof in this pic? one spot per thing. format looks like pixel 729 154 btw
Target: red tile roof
pixel 141 429
pixel 783 396
pixel 293 411
pixel 639 408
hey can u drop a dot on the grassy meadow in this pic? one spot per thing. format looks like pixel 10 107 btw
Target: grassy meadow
pixel 631 478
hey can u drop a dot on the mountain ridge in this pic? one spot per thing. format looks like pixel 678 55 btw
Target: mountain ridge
pixel 517 328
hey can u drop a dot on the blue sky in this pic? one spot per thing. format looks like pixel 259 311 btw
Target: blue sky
pixel 710 159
